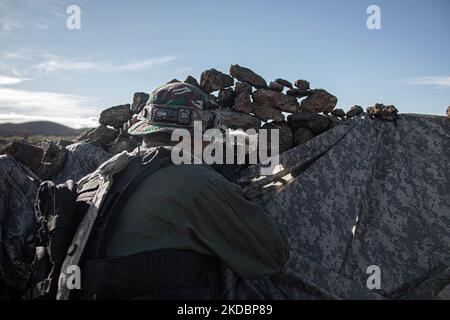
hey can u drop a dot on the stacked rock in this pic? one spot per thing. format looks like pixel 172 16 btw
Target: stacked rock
pixel 246 101
pixel 110 134
pixel 45 159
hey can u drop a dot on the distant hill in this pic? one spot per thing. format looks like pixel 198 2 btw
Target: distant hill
pixel 34 128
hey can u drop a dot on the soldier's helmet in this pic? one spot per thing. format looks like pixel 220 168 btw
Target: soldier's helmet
pixel 174 106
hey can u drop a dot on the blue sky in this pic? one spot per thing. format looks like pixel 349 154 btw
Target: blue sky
pixel 50 72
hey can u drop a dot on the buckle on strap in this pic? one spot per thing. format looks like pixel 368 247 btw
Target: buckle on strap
pixel 42 288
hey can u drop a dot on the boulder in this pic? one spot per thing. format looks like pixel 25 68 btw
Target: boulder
pixel 213 80
pixel 302 85
pixel 284 83
pixel 276 86
pixel 246 75
pixel 302 135
pixel 267 113
pixel 242 86
pixel 192 81
pixel 26 153
pixel 338 113
pixel 115 116
pixel 242 102
pixel 313 121
pixel 319 101
pixel 240 120
pixel 298 93
pixel 270 98
pixel 53 160
pixel 286 137
pixel 139 101
pixel 354 111
pixel 173 81
pixel 380 111
pixel 102 136
pixel 225 98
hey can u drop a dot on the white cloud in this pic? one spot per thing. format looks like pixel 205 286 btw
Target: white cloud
pixel 22 105
pixel 58 64
pixel 4 80
pixel 430 81
pixel 9 25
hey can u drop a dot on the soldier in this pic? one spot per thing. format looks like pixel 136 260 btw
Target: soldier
pixel 169 235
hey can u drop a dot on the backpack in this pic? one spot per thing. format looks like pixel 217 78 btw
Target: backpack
pixel 61 209
pixel 57 219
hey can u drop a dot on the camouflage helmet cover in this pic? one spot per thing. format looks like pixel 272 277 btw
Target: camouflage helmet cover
pixel 175 98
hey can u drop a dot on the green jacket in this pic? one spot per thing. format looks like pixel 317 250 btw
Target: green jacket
pixel 194 207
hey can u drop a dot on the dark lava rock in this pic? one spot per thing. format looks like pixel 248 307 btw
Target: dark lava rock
pixel 241 87
pixel 53 160
pixel 26 153
pixel 286 137
pixel 174 81
pixel 354 111
pixel 338 113
pixel 448 112
pixel 313 121
pixel 302 85
pixel 240 120
pixel 270 98
pixel 319 101
pixel 139 101
pixel 284 82
pixel 298 93
pixel 267 113
pixel 226 97
pixel 103 136
pixel 302 135
pixel 242 102
pixel 380 111
pixel 192 81
pixel 246 75
pixel 276 86
pixel 213 80
pixel 115 116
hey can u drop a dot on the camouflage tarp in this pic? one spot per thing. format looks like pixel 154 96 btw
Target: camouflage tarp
pixel 368 192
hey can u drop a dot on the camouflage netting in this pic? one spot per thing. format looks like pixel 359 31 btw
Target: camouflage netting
pixel 357 189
